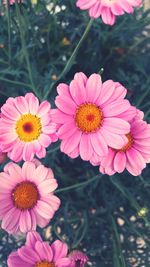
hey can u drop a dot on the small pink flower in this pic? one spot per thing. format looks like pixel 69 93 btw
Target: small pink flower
pixel 37 253
pixel 108 9
pixel 26 197
pixel 133 156
pixel 88 116
pixel 78 258
pixel 11 2
pixel 26 128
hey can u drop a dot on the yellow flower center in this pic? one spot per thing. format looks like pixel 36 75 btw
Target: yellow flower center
pixel 28 127
pixel 45 264
pixel 129 144
pixel 88 118
pixel 25 195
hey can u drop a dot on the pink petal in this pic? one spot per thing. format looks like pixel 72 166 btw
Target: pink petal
pixel 25 222
pixel 63 262
pixel 113 140
pixel 28 152
pixel 115 108
pixel 10 220
pixel 66 105
pixel 15 260
pixel 28 170
pixel 44 250
pixel 120 162
pixel 44 210
pixel 22 105
pixel 135 159
pixel 68 145
pixel 63 89
pixel 77 88
pixel 28 255
pixel 47 186
pixel 93 87
pixel 43 108
pixel 67 130
pixel 116 125
pixel 85 147
pixel 59 249
pixel 99 144
pixel 44 140
pixel 32 238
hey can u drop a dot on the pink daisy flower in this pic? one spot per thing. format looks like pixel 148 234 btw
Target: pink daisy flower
pixel 37 253
pixel 108 9
pixel 26 129
pixel 88 116
pixel 78 258
pixel 133 156
pixel 26 197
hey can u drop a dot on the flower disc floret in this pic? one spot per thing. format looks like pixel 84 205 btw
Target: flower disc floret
pixel 45 264
pixel 88 118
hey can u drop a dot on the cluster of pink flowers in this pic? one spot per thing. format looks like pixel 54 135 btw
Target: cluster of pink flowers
pixel 93 120
pixel 97 123
pixel 108 9
pixel 38 253
pixel 27 193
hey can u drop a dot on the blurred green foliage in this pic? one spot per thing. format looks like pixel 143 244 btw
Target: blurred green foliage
pixel 98 213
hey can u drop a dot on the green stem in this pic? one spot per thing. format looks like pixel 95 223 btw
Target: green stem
pixel 16 82
pixel 25 51
pixel 117 239
pixel 72 58
pixel 75 186
pixel 9 32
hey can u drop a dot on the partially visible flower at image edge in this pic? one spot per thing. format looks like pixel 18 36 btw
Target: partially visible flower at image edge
pixel 11 2
pixel 26 197
pixel 38 253
pixel 87 115
pixel 108 9
pixel 26 128
pixel 78 258
pixel 133 156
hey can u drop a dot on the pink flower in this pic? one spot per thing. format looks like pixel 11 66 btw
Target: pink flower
pixel 108 9
pixel 37 253
pixel 11 2
pixel 78 258
pixel 26 128
pixel 133 156
pixel 88 116
pixel 26 197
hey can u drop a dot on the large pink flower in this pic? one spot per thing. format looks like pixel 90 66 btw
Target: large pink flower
pixel 37 253
pixel 133 156
pixel 26 128
pixel 108 9
pixel 88 116
pixel 26 197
